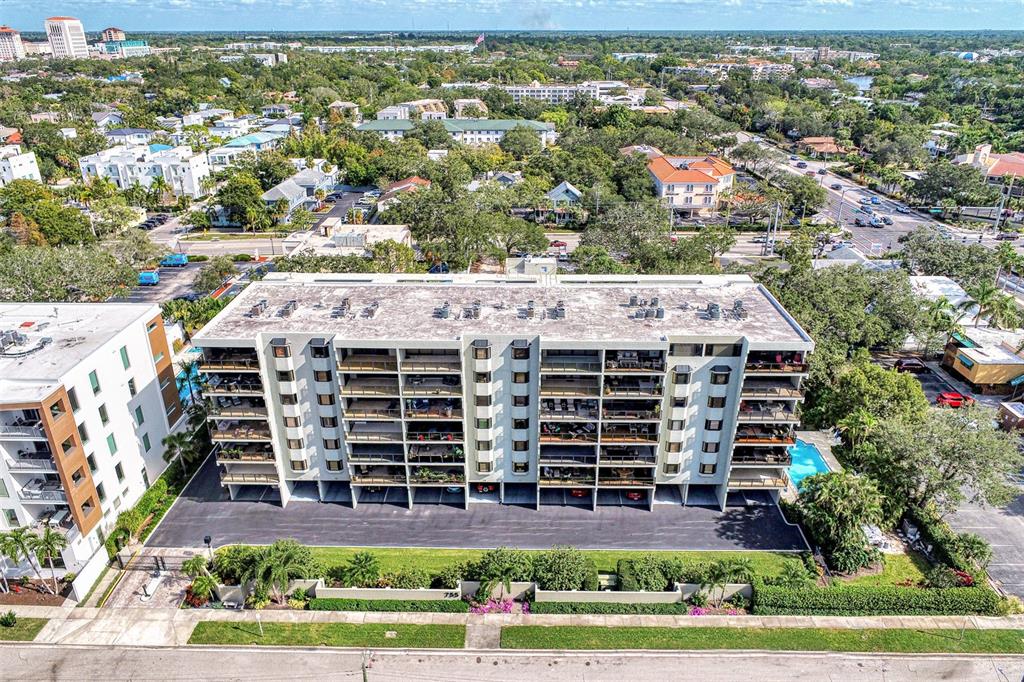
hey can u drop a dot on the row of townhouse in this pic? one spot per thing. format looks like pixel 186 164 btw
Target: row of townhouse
pixel 521 390
pixel 87 394
pixel 183 170
pixel 473 132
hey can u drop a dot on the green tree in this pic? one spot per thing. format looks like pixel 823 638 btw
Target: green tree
pixel 213 274
pixel 959 184
pixel 595 260
pixel 390 256
pixel 181 446
pixel 987 301
pixel 863 389
pixel 241 197
pixel 67 273
pixel 277 565
pixel 362 570
pixel 521 142
pixel 834 508
pixel 562 568
pixel 48 545
pixel 22 542
pixel 135 249
pixel 431 134
pixel 925 251
pixel 806 195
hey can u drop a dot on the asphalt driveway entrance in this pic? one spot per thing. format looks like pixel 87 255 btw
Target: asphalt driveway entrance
pixel 751 522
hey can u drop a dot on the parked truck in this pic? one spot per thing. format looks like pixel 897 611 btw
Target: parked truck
pixel 174 260
pixel 148 278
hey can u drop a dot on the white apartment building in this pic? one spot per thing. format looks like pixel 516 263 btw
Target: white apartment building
pixel 183 169
pixel 470 131
pixel 524 390
pixel 16 165
pixel 87 394
pixel 421 109
pixel 11 47
pixel 67 38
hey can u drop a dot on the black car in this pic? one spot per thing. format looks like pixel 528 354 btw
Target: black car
pixel 858 222
pixel 1007 236
pixel 836 185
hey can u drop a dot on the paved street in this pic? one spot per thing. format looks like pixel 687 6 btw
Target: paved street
pixel 203 508
pixel 75 663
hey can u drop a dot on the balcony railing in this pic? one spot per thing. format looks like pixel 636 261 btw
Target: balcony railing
pixel 625 481
pixel 633 390
pixel 369 388
pixel 761 482
pixel 764 390
pixel 215 411
pixel 21 431
pixel 565 388
pixel 767 416
pixel 764 438
pixel 372 413
pixel 41 462
pixel 433 477
pixel 368 363
pixel 569 366
pixel 430 363
pixel 424 389
pixel 630 414
pixel 229 365
pixel 363 458
pixel 567 460
pixel 434 413
pixel 628 436
pixel 378 479
pixel 49 493
pixel 568 437
pixel 241 435
pixel 567 481
pixel 776 368
pixel 436 459
pixel 762 457
pixel 626 459
pixel 233 388
pixel 232 456
pixel 445 436
pixel 634 366
pixel 259 479
pixel 374 436
pixel 577 414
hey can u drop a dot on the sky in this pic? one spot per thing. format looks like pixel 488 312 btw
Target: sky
pixel 483 15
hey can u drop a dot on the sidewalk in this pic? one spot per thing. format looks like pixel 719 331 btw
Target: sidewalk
pixel 172 627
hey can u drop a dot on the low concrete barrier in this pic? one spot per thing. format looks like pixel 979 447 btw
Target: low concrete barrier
pixel 385 593
pixel 519 590
pixel 609 597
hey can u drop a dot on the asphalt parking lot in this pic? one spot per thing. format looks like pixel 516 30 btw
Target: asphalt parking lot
pixel 753 523
pixel 174 282
pixel 1004 529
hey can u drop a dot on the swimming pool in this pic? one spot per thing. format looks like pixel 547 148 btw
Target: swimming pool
pixel 807 461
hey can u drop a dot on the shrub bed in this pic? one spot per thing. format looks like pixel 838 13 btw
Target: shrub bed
pixel 599 608
pixel 873 601
pixel 420 605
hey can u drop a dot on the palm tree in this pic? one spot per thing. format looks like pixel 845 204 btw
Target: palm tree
pixel 49 545
pixel 158 189
pixel 276 567
pixel 983 295
pixel 8 552
pixel 1008 259
pixel 1004 313
pixel 23 542
pixel 362 570
pixel 188 377
pixel 180 446
pixel 857 426
pixel 203 587
pixel 794 576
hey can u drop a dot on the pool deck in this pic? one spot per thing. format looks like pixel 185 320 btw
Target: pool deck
pixel 823 441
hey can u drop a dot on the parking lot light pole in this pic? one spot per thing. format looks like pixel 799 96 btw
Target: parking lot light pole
pixel 839 211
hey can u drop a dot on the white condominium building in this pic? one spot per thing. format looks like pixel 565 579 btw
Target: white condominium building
pixel 520 390
pixel 182 169
pixel 11 47
pixel 87 394
pixel 17 165
pixel 67 38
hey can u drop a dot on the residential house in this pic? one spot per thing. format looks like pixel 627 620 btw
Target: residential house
pixel 182 169
pixel 503 179
pixel 647 150
pixel 348 111
pixel 473 132
pixel 254 143
pixel 200 118
pixel 10 135
pixel 691 185
pixel 275 110
pixel 1011 416
pixel 820 147
pixel 129 136
pixel 565 194
pixel 300 190
pixel 392 192
pixel 987 358
pixel 45 117
pixel 16 165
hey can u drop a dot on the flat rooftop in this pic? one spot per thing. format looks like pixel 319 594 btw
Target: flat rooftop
pixel 407 308
pixel 56 338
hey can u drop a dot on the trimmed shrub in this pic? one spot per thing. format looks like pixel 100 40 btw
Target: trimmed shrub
pixel 627 580
pixel 591 581
pixel 409 579
pixel 514 564
pixel 198 259
pixel 232 562
pixel 873 601
pixel 448 577
pixel 8 619
pixel 680 609
pixel 241 258
pixel 642 574
pixel 963 551
pixel 418 605
pixel 561 568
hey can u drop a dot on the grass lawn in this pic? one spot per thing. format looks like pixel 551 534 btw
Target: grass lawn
pixel 331 634
pixel 776 639
pixel 25 630
pixel 898 568
pixel 432 560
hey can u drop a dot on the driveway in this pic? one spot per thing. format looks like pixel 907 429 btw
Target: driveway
pixel 1004 529
pixel 204 509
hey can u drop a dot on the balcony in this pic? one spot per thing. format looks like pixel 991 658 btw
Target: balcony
pixel 229 364
pixel 32 461
pixel 619 456
pixel 751 480
pixel 550 457
pixel 367 386
pixel 617 387
pixel 761 363
pixel 561 478
pixel 752 435
pixel 435 435
pixel 368 363
pixel 372 409
pixel 240 434
pixel 766 388
pixel 422 408
pixel 240 411
pixel 376 454
pixel 568 433
pixel 626 481
pixel 761 457
pixel 432 386
pixel 633 362
pixel 43 491
pixel 436 454
pixel 217 386
pixel 569 388
pixel 629 434
pixel 430 476
pixel 570 364
pixel 767 416
pixel 431 363
pixel 565 409
pixel 247 455
pixel 612 414
pixel 22 430
pixel 379 476
pixel 375 433
pixel 248 479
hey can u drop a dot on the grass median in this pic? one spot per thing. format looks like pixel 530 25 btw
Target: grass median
pixel 773 639
pixel 24 630
pixel 375 635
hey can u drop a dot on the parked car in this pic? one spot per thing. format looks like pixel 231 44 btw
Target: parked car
pixel 859 222
pixel 900 208
pixel 794 157
pixel 875 200
pixel 801 164
pixel 876 223
pixel 558 244
pixel 865 200
pixel 809 174
pixel 822 171
pixel 634 495
pixel 453 489
pixel 149 278
pixel 836 186
pixel 912 365
pixel 953 399
pixel 174 260
pixel 1007 236
pixel 887 220
pixel 486 487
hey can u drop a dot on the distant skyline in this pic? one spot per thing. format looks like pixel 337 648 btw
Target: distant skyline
pixel 493 15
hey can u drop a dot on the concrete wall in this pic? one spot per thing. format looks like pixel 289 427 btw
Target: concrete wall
pixel 742 589
pixel 385 593
pixel 673 597
pixel 88 576
pixel 519 590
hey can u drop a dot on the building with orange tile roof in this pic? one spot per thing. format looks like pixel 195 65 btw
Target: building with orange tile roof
pixel 997 167
pixel 691 185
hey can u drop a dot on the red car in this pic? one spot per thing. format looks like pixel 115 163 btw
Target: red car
pixel 558 244
pixel 953 399
pixel 634 496
pixel 579 492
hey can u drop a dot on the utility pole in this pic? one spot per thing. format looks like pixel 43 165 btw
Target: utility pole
pixel 1003 197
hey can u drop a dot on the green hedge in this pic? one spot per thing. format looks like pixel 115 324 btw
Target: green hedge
pixel 873 601
pixel 941 537
pixel 680 609
pixel 424 605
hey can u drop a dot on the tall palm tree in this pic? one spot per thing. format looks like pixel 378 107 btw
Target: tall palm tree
pixel 857 426
pixel 23 541
pixel 1008 259
pixel 49 545
pixel 180 446
pixel 941 317
pixel 1004 313
pixel 983 295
